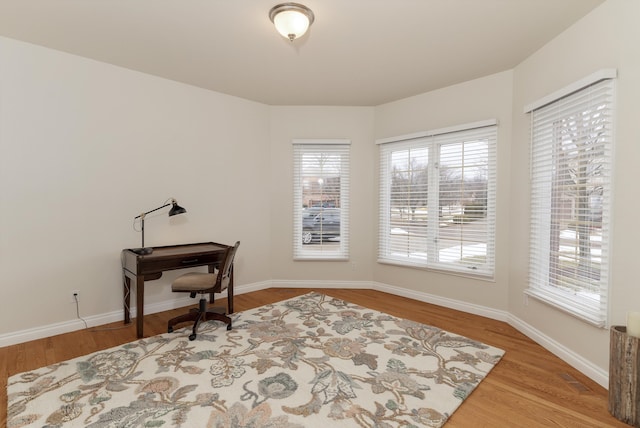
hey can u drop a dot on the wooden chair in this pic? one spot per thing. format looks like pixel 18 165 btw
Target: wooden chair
pixel 203 284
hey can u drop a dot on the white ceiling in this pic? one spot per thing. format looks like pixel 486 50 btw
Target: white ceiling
pixel 358 52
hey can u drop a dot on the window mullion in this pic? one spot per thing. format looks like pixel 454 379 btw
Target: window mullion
pixel 433 245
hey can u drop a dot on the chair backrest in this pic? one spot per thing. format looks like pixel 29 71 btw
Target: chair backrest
pixel 224 274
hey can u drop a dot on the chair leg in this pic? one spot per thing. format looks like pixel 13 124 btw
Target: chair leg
pixel 189 316
pixel 213 315
pixel 198 315
pixel 192 336
pixel 202 312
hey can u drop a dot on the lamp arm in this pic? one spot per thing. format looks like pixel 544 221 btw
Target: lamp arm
pixel 142 216
pixel 153 210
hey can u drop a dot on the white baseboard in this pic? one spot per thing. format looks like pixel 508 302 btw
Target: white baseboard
pixel 27 335
pixel 306 283
pixel 443 301
pixel 597 374
pixel 594 372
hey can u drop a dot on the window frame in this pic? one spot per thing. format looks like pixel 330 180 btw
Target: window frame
pixel 432 141
pixel 342 148
pixel 595 92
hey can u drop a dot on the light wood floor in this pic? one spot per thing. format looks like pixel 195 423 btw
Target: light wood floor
pixel 530 387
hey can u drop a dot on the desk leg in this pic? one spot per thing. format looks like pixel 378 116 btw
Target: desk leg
pixel 127 299
pixel 139 306
pixel 230 293
pixel 212 296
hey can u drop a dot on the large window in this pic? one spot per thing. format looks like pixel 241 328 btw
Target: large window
pixel 321 199
pixel 571 169
pixel 437 199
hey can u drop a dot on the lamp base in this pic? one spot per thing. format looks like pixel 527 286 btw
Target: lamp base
pixel 142 251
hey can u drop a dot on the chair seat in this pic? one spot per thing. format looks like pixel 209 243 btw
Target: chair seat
pixel 194 281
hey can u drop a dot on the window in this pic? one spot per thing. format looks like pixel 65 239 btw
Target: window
pixel 321 199
pixel 437 199
pixel 571 168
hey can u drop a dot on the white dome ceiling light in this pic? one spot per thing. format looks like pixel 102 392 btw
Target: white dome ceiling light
pixel 292 20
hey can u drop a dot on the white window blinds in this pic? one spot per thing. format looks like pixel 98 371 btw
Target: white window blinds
pixel 321 199
pixel 437 200
pixel 571 171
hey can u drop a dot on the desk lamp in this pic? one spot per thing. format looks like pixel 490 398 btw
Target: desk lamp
pixel 175 209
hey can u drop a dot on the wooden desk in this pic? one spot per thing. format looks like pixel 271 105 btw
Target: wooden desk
pixel 141 268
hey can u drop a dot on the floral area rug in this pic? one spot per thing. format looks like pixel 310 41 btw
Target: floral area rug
pixel 310 361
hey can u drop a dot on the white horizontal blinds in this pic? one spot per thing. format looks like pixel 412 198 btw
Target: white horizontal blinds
pixel 321 200
pixel 437 201
pixel 404 194
pixel 571 155
pixel 467 181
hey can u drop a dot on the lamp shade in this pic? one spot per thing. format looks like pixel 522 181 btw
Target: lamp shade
pixel 176 209
pixel 291 20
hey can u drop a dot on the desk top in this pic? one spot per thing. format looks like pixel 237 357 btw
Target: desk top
pixel 173 257
pixel 180 250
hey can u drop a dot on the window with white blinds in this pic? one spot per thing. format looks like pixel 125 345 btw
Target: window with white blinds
pixel 571 178
pixel 437 199
pixel 321 199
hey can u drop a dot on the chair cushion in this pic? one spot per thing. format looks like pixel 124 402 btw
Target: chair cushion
pixel 194 281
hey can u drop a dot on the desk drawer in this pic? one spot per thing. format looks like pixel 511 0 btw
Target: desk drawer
pixel 160 265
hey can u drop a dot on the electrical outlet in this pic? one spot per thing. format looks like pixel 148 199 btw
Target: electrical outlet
pixel 75 296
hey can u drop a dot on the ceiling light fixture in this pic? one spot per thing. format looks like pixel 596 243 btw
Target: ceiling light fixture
pixel 292 20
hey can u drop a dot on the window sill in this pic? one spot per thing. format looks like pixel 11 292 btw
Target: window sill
pixel 582 308
pixel 477 276
pixel 317 258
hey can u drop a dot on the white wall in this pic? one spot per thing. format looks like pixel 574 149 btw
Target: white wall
pixel 473 101
pixel 606 38
pixel 356 125
pixel 84 148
